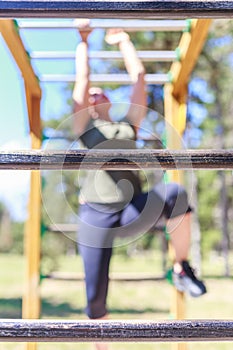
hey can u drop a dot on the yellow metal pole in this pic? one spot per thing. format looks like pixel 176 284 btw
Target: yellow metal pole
pixel 175 117
pixel 190 46
pixel 31 298
pixel 10 34
pixel 175 95
pixel 175 106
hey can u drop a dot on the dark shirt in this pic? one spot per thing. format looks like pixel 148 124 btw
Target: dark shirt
pixel 100 186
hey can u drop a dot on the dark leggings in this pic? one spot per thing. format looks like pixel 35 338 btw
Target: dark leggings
pixel 100 225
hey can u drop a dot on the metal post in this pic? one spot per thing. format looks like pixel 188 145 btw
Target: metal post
pixel 129 25
pixel 159 79
pixel 146 56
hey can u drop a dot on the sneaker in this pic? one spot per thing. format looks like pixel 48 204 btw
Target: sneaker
pixel 186 281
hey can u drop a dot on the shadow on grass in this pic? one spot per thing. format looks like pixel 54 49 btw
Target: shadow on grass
pixel 138 311
pixel 65 309
pixel 49 309
pixel 217 277
pixel 11 308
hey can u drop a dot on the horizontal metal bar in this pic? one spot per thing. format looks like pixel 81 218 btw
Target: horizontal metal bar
pixel 62 228
pixel 116 277
pixel 117 159
pixel 159 79
pixel 117 9
pixel 146 56
pixel 129 25
pixel 117 331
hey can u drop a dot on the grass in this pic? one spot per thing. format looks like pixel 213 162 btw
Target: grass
pixel 127 300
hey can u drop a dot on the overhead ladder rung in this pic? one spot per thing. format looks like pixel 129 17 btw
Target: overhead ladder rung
pixel 146 56
pixel 159 79
pixel 129 25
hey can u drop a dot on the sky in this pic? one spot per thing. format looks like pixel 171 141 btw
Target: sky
pixel 14 130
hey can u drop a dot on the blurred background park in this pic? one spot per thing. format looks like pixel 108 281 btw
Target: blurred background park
pixel 209 125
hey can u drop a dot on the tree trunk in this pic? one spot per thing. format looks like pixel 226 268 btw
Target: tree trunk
pixel 224 223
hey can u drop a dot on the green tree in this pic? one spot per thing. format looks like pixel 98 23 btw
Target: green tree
pixel 214 69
